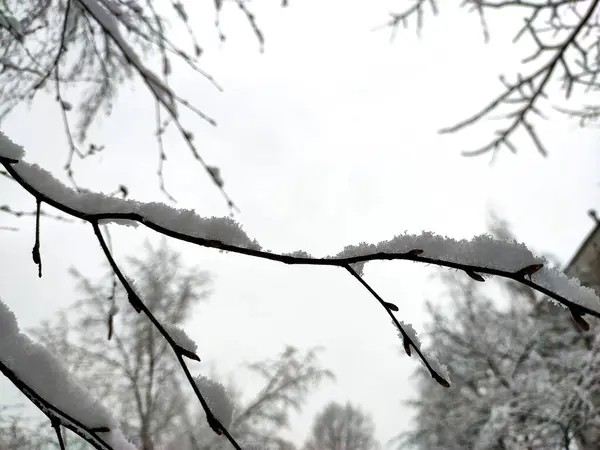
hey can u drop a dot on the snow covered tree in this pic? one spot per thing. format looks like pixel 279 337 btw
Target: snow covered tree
pixel 516 383
pixel 525 376
pixel 342 427
pixel 561 38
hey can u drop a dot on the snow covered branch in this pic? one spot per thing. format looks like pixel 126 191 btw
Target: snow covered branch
pixel 40 376
pixel 482 255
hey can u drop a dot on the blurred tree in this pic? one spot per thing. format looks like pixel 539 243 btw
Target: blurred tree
pixel 14 433
pixel 342 427
pixel 288 379
pixel 524 376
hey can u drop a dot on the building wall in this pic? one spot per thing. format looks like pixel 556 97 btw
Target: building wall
pixel 586 263
pixel 586 266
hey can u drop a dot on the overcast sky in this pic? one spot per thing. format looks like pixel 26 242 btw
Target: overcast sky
pixel 327 139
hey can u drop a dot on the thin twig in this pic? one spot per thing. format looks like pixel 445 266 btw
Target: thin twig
pixel 405 336
pixel 139 306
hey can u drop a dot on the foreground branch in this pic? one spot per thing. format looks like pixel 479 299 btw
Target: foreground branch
pixel 50 377
pixel 588 304
pixel 481 255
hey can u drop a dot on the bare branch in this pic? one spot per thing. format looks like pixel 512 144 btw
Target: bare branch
pixel 405 336
pixel 8 210
pixel 571 47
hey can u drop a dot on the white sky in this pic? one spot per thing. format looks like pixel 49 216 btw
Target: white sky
pixel 326 139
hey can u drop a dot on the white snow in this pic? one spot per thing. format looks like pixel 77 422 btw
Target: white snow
pixel 219 401
pixel 8 322
pixel 9 149
pixel 44 374
pixel 410 332
pixel 183 221
pixel 439 368
pixel 85 202
pixel 299 254
pixel 122 222
pixel 181 338
pixel 484 251
pixel 556 281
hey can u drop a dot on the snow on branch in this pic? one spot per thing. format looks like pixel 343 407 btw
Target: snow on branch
pixel 41 377
pixel 482 255
pixel 9 149
pixel 181 338
pixel 217 398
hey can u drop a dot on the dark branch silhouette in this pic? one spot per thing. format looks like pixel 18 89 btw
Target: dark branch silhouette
pixel 565 35
pixel 522 275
